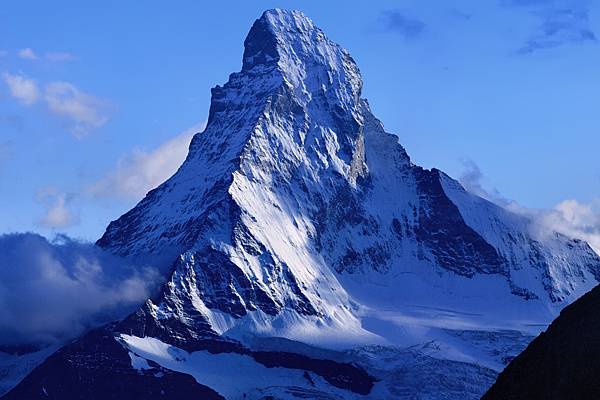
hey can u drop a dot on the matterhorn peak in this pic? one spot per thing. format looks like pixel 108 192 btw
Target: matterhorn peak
pixel 297 216
pixel 294 186
pixel 275 32
pixel 308 61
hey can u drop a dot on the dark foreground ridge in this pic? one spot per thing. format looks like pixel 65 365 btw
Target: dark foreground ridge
pixel 98 367
pixel 562 363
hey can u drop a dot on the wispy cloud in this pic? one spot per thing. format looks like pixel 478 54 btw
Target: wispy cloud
pixel 52 291
pixel 23 89
pixel 558 28
pixel 52 56
pixel 27 54
pixel 85 111
pixel 140 171
pixel 58 213
pixel 459 14
pixel 82 111
pixel 559 23
pixel 570 217
pixel 406 26
pixel 60 57
pixel 472 180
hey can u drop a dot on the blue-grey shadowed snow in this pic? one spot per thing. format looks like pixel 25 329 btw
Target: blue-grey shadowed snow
pixel 52 291
pixel 406 26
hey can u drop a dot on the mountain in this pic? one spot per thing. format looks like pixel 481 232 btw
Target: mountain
pixel 561 363
pixel 307 256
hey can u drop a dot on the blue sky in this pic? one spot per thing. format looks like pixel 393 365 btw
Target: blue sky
pixel 97 100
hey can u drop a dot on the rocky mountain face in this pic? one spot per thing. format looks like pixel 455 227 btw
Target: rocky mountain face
pixel 561 363
pixel 297 216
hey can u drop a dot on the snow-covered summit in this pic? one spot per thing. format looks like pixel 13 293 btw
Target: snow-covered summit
pixel 307 59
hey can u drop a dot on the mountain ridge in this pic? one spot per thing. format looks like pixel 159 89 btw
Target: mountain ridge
pixel 296 215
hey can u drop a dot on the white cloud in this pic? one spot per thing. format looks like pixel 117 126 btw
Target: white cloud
pixel 85 111
pixel 472 178
pixel 52 56
pixel 27 54
pixel 53 291
pixel 58 213
pixel 60 57
pixel 141 171
pixel 23 89
pixel 575 219
pixel 570 217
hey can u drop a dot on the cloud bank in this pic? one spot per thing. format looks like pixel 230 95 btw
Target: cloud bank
pixel 53 291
